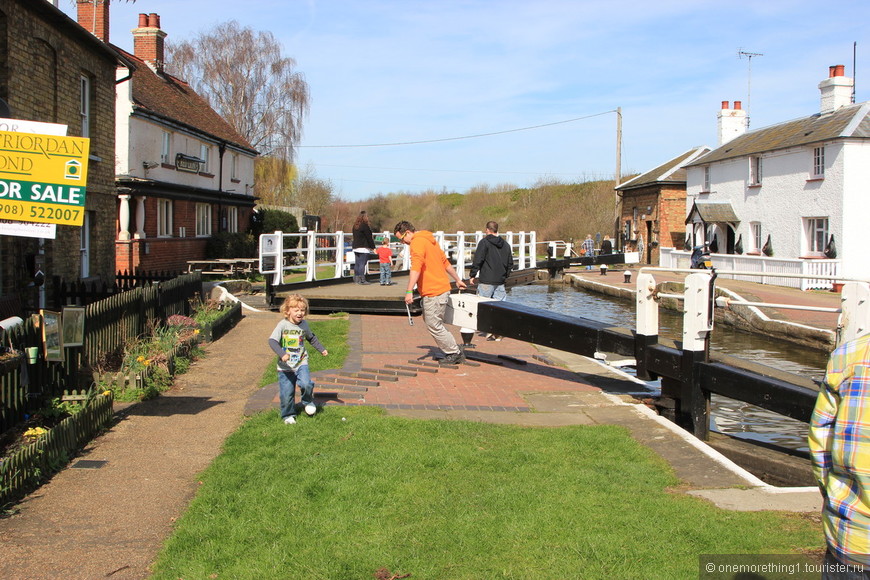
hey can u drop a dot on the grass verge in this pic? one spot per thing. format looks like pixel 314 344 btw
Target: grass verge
pixel 352 491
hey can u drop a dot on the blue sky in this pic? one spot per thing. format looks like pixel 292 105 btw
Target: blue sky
pixel 388 71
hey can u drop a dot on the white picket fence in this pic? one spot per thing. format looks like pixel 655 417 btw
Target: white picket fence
pixel 673 258
pixel 282 254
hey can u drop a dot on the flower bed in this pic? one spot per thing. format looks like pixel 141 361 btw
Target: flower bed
pixel 30 464
pixel 222 323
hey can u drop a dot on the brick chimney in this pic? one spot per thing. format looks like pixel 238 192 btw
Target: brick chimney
pixel 148 40
pixel 836 89
pixel 732 122
pixel 93 16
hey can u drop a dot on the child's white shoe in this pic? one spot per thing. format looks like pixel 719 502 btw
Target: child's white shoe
pixel 290 421
pixel 310 409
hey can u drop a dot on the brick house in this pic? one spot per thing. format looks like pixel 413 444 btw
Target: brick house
pixel 654 207
pixel 182 172
pixel 53 71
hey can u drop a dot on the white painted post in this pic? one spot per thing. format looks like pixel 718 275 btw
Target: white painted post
pixel 460 254
pixel 697 318
pixel 533 243
pixel 278 276
pixel 647 309
pixel 311 269
pixel 854 320
pixel 339 253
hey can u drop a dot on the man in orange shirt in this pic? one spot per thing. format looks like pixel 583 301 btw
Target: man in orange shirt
pixel 431 273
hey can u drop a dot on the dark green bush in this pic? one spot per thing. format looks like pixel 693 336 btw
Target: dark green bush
pixel 231 245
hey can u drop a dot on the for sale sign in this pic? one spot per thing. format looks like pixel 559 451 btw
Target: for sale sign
pixel 43 178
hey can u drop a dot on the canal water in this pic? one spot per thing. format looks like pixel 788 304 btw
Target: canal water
pixel 728 416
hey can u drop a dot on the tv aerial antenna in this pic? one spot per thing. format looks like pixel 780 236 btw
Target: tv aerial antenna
pixel 741 54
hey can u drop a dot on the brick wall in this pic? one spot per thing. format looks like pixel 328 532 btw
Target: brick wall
pixel 667 213
pixel 40 76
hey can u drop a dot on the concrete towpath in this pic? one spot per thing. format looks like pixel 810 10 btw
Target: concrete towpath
pixel 111 522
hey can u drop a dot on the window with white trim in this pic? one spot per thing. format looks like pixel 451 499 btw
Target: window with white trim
pixel 816 229
pixel 818 162
pixel 203 154
pixel 706 186
pixel 203 220
pixel 164 148
pixel 234 166
pixel 232 219
pixel 85 105
pixel 755 228
pixel 755 170
pixel 164 218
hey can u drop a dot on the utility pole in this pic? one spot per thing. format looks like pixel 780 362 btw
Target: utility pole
pixel 617 178
pixel 740 54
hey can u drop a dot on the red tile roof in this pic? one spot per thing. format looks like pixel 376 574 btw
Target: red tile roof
pixel 173 99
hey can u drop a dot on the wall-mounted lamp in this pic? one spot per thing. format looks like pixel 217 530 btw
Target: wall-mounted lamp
pixel 149 164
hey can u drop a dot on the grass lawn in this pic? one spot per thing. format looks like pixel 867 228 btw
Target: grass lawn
pixel 352 491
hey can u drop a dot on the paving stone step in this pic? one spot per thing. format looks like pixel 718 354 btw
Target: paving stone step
pixel 370 376
pixel 341 395
pixel 391 371
pixel 415 368
pixel 347 381
pixel 424 363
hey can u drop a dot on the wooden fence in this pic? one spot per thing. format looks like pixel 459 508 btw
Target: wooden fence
pixel 110 323
pixel 81 293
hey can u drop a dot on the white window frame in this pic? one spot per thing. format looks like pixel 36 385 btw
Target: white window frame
pixel 164 218
pixel 234 167
pixel 706 186
pixel 232 219
pixel 203 220
pixel 203 154
pixel 166 143
pixel 818 171
pixel 817 231
pixel 755 229
pixel 756 167
pixel 85 105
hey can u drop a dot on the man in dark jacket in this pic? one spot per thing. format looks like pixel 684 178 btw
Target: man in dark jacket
pixel 492 263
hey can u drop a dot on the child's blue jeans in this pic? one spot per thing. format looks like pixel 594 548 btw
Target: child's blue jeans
pixel 287 383
pixel 386 274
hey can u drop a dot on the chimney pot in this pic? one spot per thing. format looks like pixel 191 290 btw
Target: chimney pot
pixel 724 105
pixel 143 21
pixel 153 20
pixel 738 105
pixel 840 70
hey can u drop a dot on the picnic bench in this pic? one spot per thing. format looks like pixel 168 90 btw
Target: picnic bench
pixel 224 266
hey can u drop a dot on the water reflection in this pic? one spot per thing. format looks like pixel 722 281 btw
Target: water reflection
pixel 732 417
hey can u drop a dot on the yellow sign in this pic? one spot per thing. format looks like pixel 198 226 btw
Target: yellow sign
pixel 43 178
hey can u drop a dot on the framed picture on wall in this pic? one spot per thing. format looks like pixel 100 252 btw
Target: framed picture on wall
pixel 73 326
pixel 52 337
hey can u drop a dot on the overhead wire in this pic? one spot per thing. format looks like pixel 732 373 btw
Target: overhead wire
pixel 424 141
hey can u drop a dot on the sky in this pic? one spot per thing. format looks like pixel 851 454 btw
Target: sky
pixel 517 92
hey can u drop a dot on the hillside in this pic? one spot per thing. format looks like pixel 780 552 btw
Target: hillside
pixel 557 211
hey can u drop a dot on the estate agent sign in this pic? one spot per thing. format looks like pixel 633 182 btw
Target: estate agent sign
pixel 43 178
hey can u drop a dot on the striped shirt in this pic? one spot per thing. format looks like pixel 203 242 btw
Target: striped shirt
pixel 839 440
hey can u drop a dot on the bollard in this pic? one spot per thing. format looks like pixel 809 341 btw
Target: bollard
pixel 627 275
pixel 603 269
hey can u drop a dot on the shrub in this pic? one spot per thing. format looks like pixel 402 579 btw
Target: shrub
pixel 231 245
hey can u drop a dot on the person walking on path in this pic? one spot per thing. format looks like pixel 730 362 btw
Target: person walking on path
pixel 288 342
pixel 363 247
pixel 606 246
pixel 491 265
pixel 840 453
pixel 588 248
pixel 431 273
pixel 385 260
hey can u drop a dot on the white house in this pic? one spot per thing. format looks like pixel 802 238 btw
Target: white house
pixel 796 190
pixel 182 172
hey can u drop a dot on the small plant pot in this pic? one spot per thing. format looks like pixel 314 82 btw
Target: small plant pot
pixel 837 287
pixel 32 354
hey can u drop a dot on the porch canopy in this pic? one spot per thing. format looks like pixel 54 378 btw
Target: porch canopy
pixel 712 212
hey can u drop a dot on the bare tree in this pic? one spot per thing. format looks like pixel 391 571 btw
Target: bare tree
pixel 312 193
pixel 245 78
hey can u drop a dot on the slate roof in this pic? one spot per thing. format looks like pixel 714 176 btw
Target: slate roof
pixel 172 99
pixel 852 121
pixel 669 172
